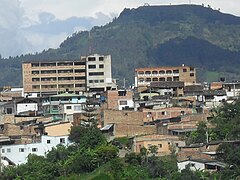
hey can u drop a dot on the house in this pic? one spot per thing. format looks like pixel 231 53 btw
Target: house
pixel 17 154
pixel 120 99
pixel 214 98
pixel 61 106
pixel 20 106
pixel 165 144
pixel 165 113
pixel 232 89
pixel 125 123
pixel 173 88
pixel 201 165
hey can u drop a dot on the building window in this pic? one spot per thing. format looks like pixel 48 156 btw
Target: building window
pixel 161 79
pixel 154 72
pixel 77 108
pixel 123 102
pixel 62 140
pixel 3 150
pixel 48 141
pixel 176 144
pixel 101 65
pixel 35 79
pixel 80 78
pixel 35 72
pixel 184 70
pixel 141 79
pixel 8 150
pixel 168 72
pixel 162 72
pixel 90 81
pixel 176 71
pixel 95 81
pixel 160 145
pixel 148 79
pixel 69 107
pixel 164 113
pixel 79 63
pixel 101 58
pixel 21 149
pixel 96 74
pixel 191 74
pixel 91 66
pixel 79 70
pixel 155 79
pixel 140 72
pixel 34 149
pixel 148 72
pixel 169 79
pixel 9 111
pixel 101 80
pixel 91 59
pixel 176 78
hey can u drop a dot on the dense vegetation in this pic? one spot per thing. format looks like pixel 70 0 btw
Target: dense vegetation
pixel 152 36
pixel 91 157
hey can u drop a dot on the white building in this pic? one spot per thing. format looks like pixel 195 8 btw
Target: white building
pixel 99 73
pixel 17 154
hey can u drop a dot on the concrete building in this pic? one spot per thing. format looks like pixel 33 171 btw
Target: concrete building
pixel 144 76
pixel 48 78
pixel 17 154
pixel 99 73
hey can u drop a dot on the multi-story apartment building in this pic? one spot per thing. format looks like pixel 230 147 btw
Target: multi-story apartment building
pixel 48 78
pixel 144 76
pixel 99 73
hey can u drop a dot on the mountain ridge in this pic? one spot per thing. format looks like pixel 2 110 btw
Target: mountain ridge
pixel 138 36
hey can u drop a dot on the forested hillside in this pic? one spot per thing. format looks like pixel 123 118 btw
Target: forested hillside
pixel 152 36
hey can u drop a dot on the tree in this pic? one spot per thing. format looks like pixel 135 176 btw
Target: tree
pixel 153 150
pixel 227 121
pixel 87 137
pixel 106 152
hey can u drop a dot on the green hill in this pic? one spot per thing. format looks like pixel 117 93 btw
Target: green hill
pixel 152 36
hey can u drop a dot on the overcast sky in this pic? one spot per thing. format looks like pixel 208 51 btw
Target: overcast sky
pixel 29 26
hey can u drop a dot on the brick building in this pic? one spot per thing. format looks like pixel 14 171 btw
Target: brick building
pixel 48 78
pixel 120 99
pixel 144 76
pixel 165 143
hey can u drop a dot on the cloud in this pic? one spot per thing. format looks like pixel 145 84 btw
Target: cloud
pixel 21 34
pixel 28 26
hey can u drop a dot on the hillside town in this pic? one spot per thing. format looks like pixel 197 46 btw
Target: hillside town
pixel 160 110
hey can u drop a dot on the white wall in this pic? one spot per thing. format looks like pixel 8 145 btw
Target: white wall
pixel 12 152
pixel 23 107
pixel 75 108
pixel 130 103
